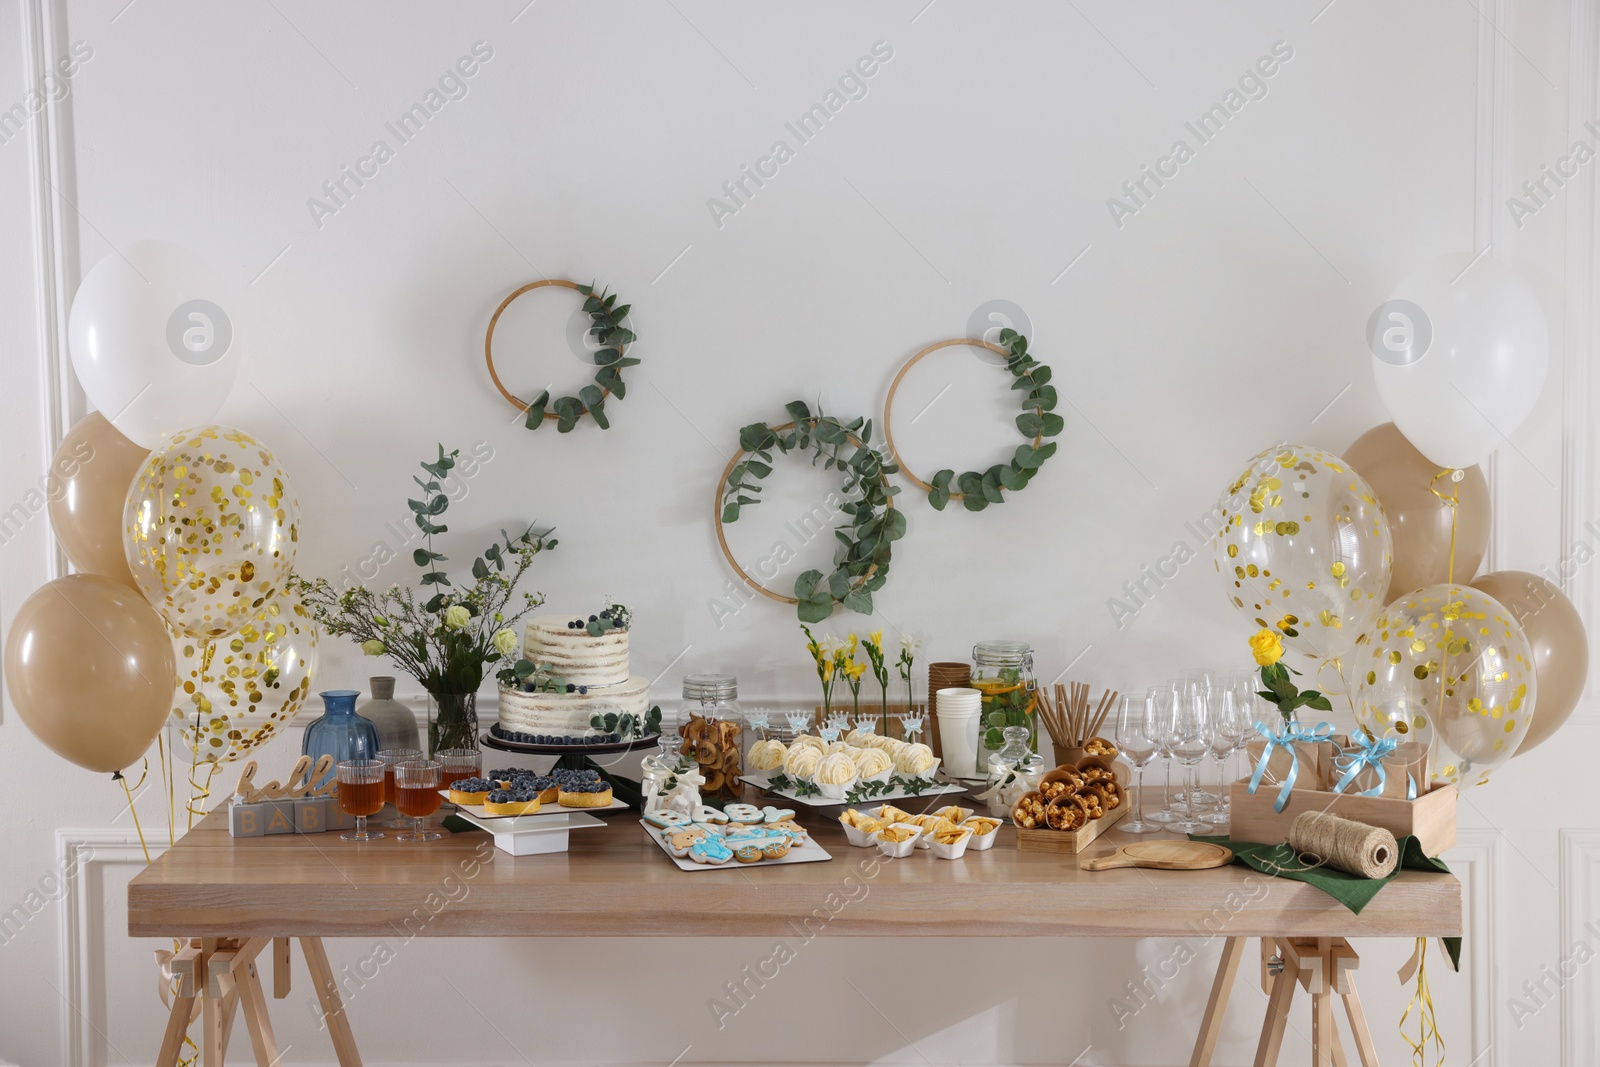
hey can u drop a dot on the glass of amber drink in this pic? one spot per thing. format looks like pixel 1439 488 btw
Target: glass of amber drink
pixel 416 790
pixel 361 794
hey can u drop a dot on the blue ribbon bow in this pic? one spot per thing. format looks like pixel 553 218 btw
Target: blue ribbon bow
pixel 1291 733
pixel 1369 752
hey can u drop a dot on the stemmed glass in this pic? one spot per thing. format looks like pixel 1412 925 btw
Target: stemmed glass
pixel 458 763
pixel 1197 684
pixel 1136 739
pixel 1160 701
pixel 1224 709
pixel 391 757
pixel 416 790
pixel 1187 734
pixel 361 794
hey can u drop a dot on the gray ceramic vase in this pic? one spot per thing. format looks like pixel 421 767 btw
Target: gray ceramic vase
pixel 395 723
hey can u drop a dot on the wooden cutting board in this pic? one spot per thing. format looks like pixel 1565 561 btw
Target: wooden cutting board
pixel 1163 856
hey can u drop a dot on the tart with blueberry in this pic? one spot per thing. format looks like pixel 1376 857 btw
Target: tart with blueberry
pixel 519 800
pixel 470 792
pixel 585 793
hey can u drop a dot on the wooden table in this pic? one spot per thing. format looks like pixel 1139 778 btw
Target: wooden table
pixel 233 897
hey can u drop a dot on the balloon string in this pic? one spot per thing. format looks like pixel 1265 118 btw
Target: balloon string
pixel 166 776
pixel 134 811
pixel 1454 501
pixel 1427 1018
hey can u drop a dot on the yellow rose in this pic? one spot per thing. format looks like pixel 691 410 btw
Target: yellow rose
pixel 1268 648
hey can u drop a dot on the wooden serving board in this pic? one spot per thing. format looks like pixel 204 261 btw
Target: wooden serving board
pixel 1163 856
pixel 1069 841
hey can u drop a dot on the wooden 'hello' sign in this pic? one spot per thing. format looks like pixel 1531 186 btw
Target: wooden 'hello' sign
pixel 293 807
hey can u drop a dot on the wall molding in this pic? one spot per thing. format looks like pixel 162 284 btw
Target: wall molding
pixel 1492 160
pixel 1581 300
pixel 55 235
pixel 80 852
pixel 1476 860
pixel 1579 889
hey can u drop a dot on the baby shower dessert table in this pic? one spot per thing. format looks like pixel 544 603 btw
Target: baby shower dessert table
pixel 235 902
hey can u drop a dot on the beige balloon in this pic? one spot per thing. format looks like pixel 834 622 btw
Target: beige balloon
pixel 90 475
pixel 1560 644
pixel 89 667
pixel 1419 521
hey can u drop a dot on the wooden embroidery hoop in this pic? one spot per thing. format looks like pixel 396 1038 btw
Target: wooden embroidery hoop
pixel 894 387
pixel 488 343
pixel 722 537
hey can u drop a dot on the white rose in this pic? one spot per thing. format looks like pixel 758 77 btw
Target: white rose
pixel 505 641
pixel 456 617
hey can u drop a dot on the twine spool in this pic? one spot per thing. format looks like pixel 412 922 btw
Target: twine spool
pixel 1345 845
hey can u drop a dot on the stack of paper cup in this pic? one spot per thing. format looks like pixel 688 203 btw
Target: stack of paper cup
pixel 958 729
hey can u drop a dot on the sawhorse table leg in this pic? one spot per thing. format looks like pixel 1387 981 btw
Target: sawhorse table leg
pixel 215 978
pixel 1324 967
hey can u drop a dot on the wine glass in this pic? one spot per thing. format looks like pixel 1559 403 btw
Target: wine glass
pixel 1159 703
pixel 416 790
pixel 1224 709
pixel 390 757
pixel 1136 739
pixel 360 794
pixel 1188 735
pixel 1198 684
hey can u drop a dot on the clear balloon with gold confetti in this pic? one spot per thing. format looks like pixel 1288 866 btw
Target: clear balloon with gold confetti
pixel 1448 665
pixel 211 527
pixel 1304 549
pixel 236 692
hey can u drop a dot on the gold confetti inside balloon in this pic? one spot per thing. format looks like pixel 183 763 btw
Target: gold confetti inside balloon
pixel 1451 666
pixel 1304 549
pixel 236 692
pixel 212 527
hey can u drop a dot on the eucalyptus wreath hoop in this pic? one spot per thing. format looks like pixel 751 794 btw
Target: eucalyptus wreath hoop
pixel 978 489
pixel 605 319
pixel 861 563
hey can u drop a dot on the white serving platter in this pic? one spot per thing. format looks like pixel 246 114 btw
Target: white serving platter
pixel 536 835
pixel 807 851
pixel 476 810
pixel 877 798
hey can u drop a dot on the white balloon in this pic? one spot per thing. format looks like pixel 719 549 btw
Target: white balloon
pixel 1467 371
pixel 154 341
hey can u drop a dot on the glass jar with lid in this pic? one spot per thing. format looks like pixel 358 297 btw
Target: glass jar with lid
pixel 1013 771
pixel 1002 673
pixel 713 732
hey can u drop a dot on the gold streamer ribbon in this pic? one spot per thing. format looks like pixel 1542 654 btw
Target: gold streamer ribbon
pixel 1421 1002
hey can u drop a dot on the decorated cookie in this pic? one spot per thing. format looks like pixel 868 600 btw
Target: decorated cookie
pixel 681 840
pixel 664 819
pixel 776 850
pixel 743 813
pixel 706 814
pixel 748 853
pixel 710 850
pixel 770 814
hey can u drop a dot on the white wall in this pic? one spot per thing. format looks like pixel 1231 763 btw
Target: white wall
pixel 1225 315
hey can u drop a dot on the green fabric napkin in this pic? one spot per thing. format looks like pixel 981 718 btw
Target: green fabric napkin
pixel 1351 890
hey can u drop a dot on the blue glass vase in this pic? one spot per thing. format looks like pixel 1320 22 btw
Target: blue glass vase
pixel 340 732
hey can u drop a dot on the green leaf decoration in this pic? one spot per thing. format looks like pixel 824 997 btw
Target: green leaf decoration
pixel 606 323
pixel 977 490
pixel 871 524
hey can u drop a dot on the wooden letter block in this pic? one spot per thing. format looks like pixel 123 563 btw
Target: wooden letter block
pixel 280 816
pixel 335 817
pixel 310 815
pixel 248 820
